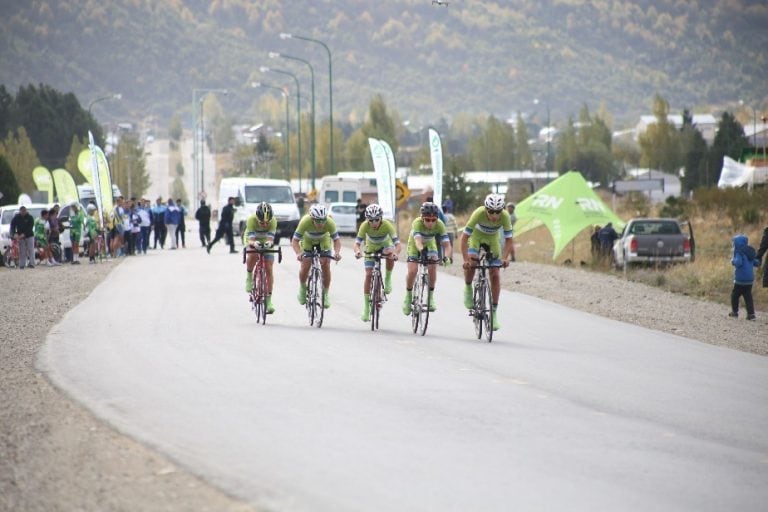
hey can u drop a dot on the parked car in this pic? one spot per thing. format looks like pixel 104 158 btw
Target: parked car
pixel 345 217
pixel 654 241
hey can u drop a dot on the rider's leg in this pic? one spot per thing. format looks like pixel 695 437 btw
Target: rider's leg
pixel 268 267
pixel 495 291
pixel 469 275
pixel 432 281
pixel 388 275
pixel 250 262
pixel 367 295
pixel 303 273
pixel 409 279
pixel 326 265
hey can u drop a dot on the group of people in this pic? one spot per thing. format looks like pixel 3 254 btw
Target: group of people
pixel 489 224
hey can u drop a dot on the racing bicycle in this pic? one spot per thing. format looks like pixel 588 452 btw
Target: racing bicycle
pixel 258 296
pixel 420 295
pixel 315 288
pixel 11 255
pixel 378 297
pixel 482 300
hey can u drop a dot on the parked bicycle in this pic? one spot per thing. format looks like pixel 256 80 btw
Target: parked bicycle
pixel 258 295
pixel 378 296
pixel 420 295
pixel 482 300
pixel 315 288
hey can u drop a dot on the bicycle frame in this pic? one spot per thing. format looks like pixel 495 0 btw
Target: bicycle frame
pixel 482 300
pixel 258 295
pixel 420 296
pixel 315 288
pixel 378 297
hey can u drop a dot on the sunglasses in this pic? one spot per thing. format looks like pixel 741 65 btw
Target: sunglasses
pixel 493 212
pixel 429 219
pixel 319 221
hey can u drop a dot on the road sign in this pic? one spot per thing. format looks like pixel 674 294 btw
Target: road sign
pixel 402 193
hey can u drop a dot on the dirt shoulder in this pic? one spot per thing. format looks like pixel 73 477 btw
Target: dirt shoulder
pixel 55 455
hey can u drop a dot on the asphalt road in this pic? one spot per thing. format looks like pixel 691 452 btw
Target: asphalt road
pixel 563 411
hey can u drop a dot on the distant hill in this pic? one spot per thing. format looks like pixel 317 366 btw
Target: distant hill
pixel 429 61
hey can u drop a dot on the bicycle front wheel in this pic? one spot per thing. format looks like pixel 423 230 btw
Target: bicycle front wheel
pixel 423 305
pixel 488 312
pixel 259 295
pixel 478 307
pixel 375 300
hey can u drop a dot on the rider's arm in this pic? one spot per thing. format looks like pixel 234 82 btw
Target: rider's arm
pixel 508 251
pixel 337 248
pixel 296 247
pixel 464 245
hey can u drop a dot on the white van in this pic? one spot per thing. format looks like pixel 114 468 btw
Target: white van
pixel 348 187
pixel 250 192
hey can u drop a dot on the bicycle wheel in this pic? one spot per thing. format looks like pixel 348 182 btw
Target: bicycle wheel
pixel 319 291
pixel 487 311
pixel 423 303
pixel 375 299
pixel 310 300
pixel 259 305
pixel 477 308
pixel 416 305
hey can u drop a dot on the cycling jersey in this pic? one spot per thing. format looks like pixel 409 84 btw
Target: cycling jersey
pixel 377 238
pixel 310 235
pixel 263 233
pixel 482 230
pixel 429 237
pixel 41 235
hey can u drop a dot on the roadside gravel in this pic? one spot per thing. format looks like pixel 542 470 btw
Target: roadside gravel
pixel 56 456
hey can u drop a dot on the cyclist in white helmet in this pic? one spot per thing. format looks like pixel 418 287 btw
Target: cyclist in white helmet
pixel 316 228
pixel 486 225
pixel 378 234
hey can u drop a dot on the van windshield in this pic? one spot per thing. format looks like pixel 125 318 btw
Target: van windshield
pixel 270 194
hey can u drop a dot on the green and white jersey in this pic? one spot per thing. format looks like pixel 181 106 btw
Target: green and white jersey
pixel 377 238
pixel 429 236
pixel 479 225
pixel 263 233
pixel 76 222
pixel 41 229
pixel 92 226
pixel 309 235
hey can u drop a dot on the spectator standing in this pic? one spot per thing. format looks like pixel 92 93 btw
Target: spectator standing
pixel 510 206
pixel 447 204
pixel 744 261
pixel 172 219
pixel 116 228
pixel 595 242
pixel 761 251
pixel 41 237
pixel 182 227
pixel 607 235
pixel 203 216
pixel 451 226
pixel 145 215
pixel 158 222
pixel 54 232
pixel 23 230
pixel 76 221
pixel 134 231
pixel 360 212
pixel 92 228
pixel 225 226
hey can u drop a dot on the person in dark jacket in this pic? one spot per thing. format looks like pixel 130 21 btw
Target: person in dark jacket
pixel 181 228
pixel 761 251
pixel 23 230
pixel 744 260
pixel 203 216
pixel 225 226
pixel 607 235
pixel 158 222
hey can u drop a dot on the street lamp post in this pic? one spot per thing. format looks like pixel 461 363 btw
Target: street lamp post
pixel 274 55
pixel 198 187
pixel 285 35
pixel 264 69
pixel 548 132
pixel 115 96
pixel 287 125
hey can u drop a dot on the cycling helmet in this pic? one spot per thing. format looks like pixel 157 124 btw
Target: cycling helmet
pixel 91 208
pixel 264 212
pixel 429 210
pixel 373 212
pixel 494 202
pixel 318 212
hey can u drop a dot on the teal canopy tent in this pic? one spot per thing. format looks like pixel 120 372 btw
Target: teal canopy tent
pixel 566 206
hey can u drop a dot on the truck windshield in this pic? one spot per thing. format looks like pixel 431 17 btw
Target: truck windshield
pixel 270 194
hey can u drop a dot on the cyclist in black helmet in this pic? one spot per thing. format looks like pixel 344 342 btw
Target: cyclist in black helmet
pixel 260 231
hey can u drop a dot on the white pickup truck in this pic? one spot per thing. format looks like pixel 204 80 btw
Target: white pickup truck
pixel 653 241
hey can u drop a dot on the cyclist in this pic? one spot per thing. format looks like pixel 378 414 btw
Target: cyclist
pixel 378 234
pixel 76 221
pixel 42 229
pixel 260 229
pixel 316 228
pixel 92 228
pixel 426 230
pixel 483 228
